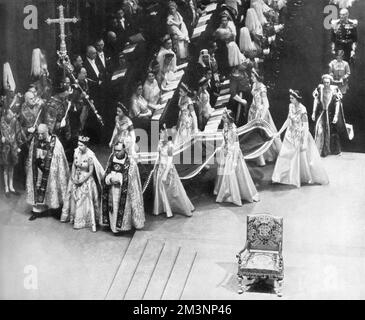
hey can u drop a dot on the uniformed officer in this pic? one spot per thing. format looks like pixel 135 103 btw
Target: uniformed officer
pixel 344 35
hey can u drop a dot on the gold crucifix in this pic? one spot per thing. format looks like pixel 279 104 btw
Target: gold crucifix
pixel 62 21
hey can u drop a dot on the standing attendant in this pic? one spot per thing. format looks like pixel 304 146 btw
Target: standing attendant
pixel 299 161
pixel 187 123
pixel 233 183
pixel 203 101
pixel 123 130
pixel 169 194
pixel 31 115
pixel 9 147
pixel 260 110
pixel 340 71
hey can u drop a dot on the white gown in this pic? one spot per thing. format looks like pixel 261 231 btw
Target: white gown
pixel 295 166
pixel 260 110
pixel 169 193
pixel 234 182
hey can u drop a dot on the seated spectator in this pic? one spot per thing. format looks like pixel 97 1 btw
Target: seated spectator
pixel 247 46
pixel 227 33
pixel 201 68
pixel 260 12
pixel 167 73
pixel 253 24
pixel 204 61
pixel 240 89
pixel 140 112
pixel 178 31
pixel 256 31
pixel 166 48
pixel 233 7
pixel 151 90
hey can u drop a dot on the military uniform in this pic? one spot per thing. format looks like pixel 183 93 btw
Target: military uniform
pixel 344 35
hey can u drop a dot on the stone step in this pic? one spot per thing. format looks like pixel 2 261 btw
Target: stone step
pixel 180 274
pixel 162 273
pixel 145 270
pixel 128 267
pixel 152 269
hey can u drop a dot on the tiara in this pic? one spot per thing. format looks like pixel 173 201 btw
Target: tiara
pixel 84 139
pixel 295 94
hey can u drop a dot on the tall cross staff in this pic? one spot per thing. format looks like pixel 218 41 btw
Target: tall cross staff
pixel 64 60
pixel 62 21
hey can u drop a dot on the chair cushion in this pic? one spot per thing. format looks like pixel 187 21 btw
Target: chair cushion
pixel 261 264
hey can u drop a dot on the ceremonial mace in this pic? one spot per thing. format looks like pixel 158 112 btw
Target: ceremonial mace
pixel 64 60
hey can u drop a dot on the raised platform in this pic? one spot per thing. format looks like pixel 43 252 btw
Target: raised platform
pixel 194 258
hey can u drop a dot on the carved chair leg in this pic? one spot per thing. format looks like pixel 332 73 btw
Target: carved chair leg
pixel 240 285
pixel 278 287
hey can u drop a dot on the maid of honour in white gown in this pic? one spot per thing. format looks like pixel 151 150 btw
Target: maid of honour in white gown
pixel 169 194
pixel 234 182
pixel 299 160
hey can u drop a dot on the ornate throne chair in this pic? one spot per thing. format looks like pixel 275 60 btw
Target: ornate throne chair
pixel 261 258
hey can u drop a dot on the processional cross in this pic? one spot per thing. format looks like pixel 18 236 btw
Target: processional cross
pixel 62 22
pixel 64 60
